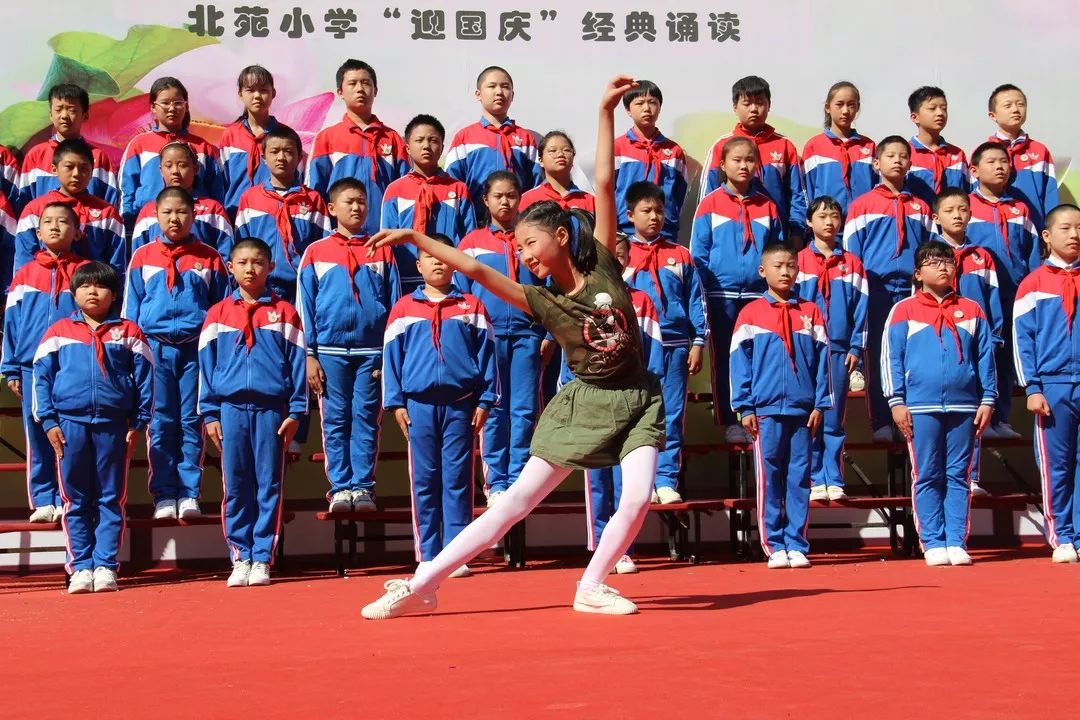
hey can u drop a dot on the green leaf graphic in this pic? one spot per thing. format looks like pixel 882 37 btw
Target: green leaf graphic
pixel 20 121
pixel 66 70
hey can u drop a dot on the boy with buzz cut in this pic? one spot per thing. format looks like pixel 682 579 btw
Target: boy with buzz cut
pixel 344 296
pixel 779 170
pixel 780 389
pixel 69 109
pixel 440 380
pixel 427 199
pixel 252 393
pixel 359 146
pixel 644 153
pixel 93 395
pixel 664 270
pixel 495 142
pixel 935 163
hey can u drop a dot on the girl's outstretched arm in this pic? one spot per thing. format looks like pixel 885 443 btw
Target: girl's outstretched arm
pixel 508 290
pixel 606 222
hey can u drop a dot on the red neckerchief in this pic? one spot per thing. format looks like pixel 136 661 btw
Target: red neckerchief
pixel 783 313
pixel 283 213
pixel 63 265
pixel 255 153
pixel 1002 220
pixel 371 137
pixel 946 316
pixel 651 262
pixel 759 139
pixel 1068 290
pixel 506 148
pixel 172 252
pixel 97 339
pixel 425 201
pixel 436 320
pixel 744 215
pixel 511 252
pixel 845 159
pixel 653 158
pixel 249 320
pixel 825 263
pixel 899 201
pixel 961 252
pixel 351 246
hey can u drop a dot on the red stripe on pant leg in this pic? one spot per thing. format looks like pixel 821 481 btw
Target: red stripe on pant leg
pixel 759 460
pixel 1044 472
pixel 914 480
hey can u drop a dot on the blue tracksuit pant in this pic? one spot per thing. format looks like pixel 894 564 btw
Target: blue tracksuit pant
pixel 1057 442
pixel 722 315
pixel 41 484
pixel 942 449
pixel 351 410
pixel 252 470
pixel 782 462
pixel 1006 370
pixel 673 385
pixel 827 447
pixel 93 484
pixel 602 495
pixel 176 432
pixel 881 302
pixel 509 429
pixel 441 472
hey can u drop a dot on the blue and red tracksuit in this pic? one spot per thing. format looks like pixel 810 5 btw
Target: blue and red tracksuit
pixel 574 198
pixel 436 204
pixel 779 173
pixel 480 149
pixel 780 374
pixel 9 224
pixel 1046 332
pixel 40 294
pixel 842 168
pixel 933 170
pixel 505 443
pixel 103 230
pixel 36 176
pixel 937 359
pixel 140 170
pixel 344 297
pixel 836 283
pixel 374 155
pixel 95 384
pixel 9 177
pixel 252 377
pixel 289 221
pixel 169 290
pixel 660 161
pixel 439 364
pixel 212 226
pixel 1033 179
pixel 242 165
pixel 665 271
pixel 729 234
pixel 883 230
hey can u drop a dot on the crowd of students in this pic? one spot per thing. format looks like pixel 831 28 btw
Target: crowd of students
pixel 205 291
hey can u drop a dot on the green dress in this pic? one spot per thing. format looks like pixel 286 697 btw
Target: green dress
pixel 613 406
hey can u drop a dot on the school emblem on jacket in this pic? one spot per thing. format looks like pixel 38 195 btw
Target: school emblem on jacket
pixel 451 194
pixel 777 156
pixel 842 267
pixel 198 266
pixel 517 139
pixel 864 150
pixel 668 152
pixel 671 261
pixel 807 322
pixel 1015 210
pixel 273 316
pixel 116 333
pixel 386 149
pixel 978 259
pixel 95 214
pixel 958 314
pixel 916 206
pixel 1024 157
pixel 605 329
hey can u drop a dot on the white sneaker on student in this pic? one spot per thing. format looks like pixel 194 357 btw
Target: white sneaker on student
pixel 239 575
pixel 1065 554
pixel 259 575
pixel 461 572
pixel 104 580
pixel 188 508
pixel 797 560
pixel 625 566
pixel 836 492
pixel 341 501
pixel 958 555
pixel 399 600
pixel 1005 431
pixel 856 381
pixel 82 581
pixel 603 600
pixel 668 495
pixel 493 497
pixel 936 557
pixel 778 559
pixel 884 435
pixel 819 493
pixel 362 500
pixel 165 509
pixel 43 514
pixel 58 513
pixel 978 490
pixel 655 499
pixel 735 435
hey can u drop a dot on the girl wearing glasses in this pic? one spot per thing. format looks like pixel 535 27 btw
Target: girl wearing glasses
pixel 557 160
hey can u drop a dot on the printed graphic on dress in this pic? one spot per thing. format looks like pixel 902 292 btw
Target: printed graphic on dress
pixel 605 331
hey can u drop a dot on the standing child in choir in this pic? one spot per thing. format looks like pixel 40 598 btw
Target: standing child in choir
pixel 1045 328
pixel 664 270
pixel 359 146
pixel 883 229
pixel 9 225
pixel 937 360
pixel 835 281
pixel 839 162
pixel 140 172
pixel 252 394
pixel 172 283
pixel 427 199
pixel 780 389
pixel 731 226
pixel 1033 181
pixel 935 163
pixel 496 142
pixel 344 297
pixel 644 153
pixel 69 109
pixel 9 178
pixel 40 294
pixel 557 161
pixel 505 443
pixel 93 394
pixel 440 382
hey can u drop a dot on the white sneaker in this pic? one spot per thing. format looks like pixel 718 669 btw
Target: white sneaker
pixel 819 493
pixel 82 581
pixel 654 499
pixel 461 572
pixel 978 490
pixel 936 557
pixel 856 381
pixel 165 509
pixel 362 500
pixel 58 513
pixel 958 555
pixel 668 495
pixel 104 580
pixel 837 493
pixel 493 497
pixel 625 566
pixel 188 508
pixel 735 435
pixel 1005 431
pixel 603 600
pixel 1065 554
pixel 259 575
pixel 399 600
pixel 239 575
pixel 43 514
pixel 884 435
pixel 778 559
pixel 797 560
pixel 341 501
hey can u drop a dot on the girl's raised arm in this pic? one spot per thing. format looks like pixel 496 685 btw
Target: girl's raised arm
pixel 606 221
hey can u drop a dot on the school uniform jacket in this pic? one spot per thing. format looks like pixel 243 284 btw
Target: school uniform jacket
pixel 977 280
pixel 652 342
pixel 660 161
pixel 837 285
pixel 883 230
pixel 496 249
pixel 1046 327
pixel 1033 179
pixel 242 166
pixel 934 170
pixel 212 226
pixel 36 176
pixel 9 225
pixel 842 168
pixel 439 204
pixel 9 177
pixel 665 271
pixel 575 198
pixel 140 169
pixel 480 149
pixel 1005 229
pixel 100 222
